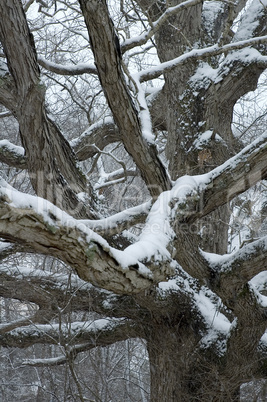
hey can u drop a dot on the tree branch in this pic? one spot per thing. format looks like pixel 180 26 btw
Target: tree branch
pixel 57 234
pixel 155 26
pixel 222 184
pixel 64 293
pixel 50 161
pixel 199 54
pixel 97 333
pixel 12 155
pixel 71 69
pixel 112 79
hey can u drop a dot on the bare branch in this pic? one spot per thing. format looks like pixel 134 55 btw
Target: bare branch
pixel 63 293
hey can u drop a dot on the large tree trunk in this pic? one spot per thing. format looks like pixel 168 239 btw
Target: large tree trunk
pixel 179 372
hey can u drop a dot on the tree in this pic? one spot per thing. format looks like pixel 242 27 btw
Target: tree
pixel 200 310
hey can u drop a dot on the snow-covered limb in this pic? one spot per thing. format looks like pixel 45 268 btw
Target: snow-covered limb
pixel 49 290
pixel 12 155
pixel 101 332
pixel 69 69
pixel 48 230
pixel 98 135
pixel 214 50
pixel 71 352
pixel 222 184
pixel 117 176
pixel 142 39
pixel 234 271
pixel 121 221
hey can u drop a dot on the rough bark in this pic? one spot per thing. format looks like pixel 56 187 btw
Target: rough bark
pixel 50 160
pixel 183 368
pixel 119 99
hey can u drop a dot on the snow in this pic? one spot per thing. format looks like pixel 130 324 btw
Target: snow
pixel 204 75
pixel 211 10
pixel 73 329
pixel 250 20
pixel 70 68
pixel 4 246
pixel 144 114
pixel 156 71
pixel 204 139
pixel 207 303
pixel 114 220
pixel 215 320
pixel 15 149
pixel 98 124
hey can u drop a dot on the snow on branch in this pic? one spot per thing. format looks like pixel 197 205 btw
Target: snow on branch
pixel 71 352
pixel 98 135
pixel 209 191
pixel 51 231
pixel 48 230
pixel 12 155
pixel 100 332
pixel 214 50
pixel 121 221
pixel 142 39
pixel 245 263
pixel 68 69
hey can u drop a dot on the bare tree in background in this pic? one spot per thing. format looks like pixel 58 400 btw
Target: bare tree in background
pixel 158 269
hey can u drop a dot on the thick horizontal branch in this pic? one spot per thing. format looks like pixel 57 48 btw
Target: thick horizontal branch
pixel 207 192
pixel 69 69
pixel 97 333
pixel 63 293
pixel 12 155
pixel 48 230
pixel 214 50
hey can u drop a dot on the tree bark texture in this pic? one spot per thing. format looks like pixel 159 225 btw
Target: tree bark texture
pixel 188 107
